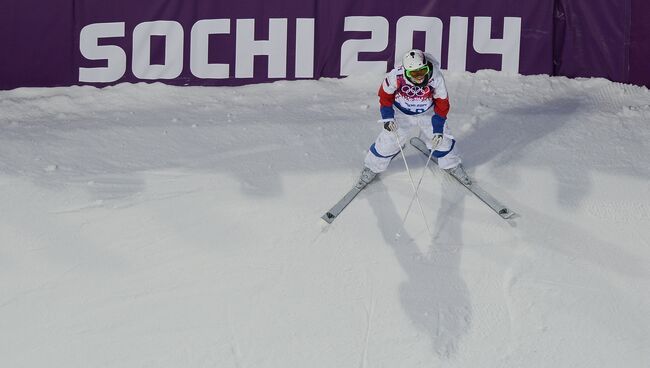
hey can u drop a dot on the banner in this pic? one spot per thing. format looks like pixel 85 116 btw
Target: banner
pixel 593 35
pixel 36 45
pixel 207 42
pixel 464 35
pixel 216 43
pixel 639 53
pixel 194 41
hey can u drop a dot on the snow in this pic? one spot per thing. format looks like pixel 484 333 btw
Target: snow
pixel 156 226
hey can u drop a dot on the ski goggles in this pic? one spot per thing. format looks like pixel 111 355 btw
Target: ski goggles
pixel 418 73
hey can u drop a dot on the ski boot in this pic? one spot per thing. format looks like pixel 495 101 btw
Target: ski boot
pixel 366 177
pixel 459 173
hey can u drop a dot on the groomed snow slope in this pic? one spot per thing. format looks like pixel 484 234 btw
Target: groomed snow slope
pixel 159 226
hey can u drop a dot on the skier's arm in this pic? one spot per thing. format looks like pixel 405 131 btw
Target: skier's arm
pixel 387 97
pixel 440 104
pixel 440 109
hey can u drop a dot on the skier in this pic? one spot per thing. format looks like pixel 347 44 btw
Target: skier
pixel 417 89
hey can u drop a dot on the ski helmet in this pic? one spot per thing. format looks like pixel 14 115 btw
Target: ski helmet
pixel 413 60
pixel 416 67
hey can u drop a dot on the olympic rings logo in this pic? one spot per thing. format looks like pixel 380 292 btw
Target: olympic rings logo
pixel 415 91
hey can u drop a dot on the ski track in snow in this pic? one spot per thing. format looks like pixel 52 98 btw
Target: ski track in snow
pixel 151 225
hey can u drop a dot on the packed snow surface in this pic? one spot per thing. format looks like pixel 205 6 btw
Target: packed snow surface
pixel 157 226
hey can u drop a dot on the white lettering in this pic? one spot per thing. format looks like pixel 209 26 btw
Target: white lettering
pixel 199 65
pixel 508 47
pixel 457 55
pixel 114 55
pixel 378 28
pixel 141 63
pixel 247 47
pixel 275 48
pixel 305 31
pixel 407 26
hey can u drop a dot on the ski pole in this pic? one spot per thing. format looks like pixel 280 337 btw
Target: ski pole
pixel 416 192
pixel 399 144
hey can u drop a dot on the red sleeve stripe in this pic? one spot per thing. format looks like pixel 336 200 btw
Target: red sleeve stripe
pixel 385 99
pixel 441 106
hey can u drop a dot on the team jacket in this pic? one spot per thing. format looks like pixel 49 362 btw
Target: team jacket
pixel 397 92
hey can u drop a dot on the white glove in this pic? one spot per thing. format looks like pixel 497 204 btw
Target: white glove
pixel 436 140
pixel 389 124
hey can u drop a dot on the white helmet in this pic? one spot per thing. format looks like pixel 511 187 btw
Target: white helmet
pixel 414 59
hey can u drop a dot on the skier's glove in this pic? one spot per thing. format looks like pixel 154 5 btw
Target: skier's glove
pixel 389 124
pixel 436 140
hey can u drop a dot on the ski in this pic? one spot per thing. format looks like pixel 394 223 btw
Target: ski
pixel 479 192
pixel 330 215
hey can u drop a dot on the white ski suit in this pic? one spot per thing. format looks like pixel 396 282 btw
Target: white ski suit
pixel 410 105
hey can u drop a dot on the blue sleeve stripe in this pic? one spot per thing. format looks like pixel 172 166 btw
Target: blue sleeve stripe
pixel 387 112
pixel 437 123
